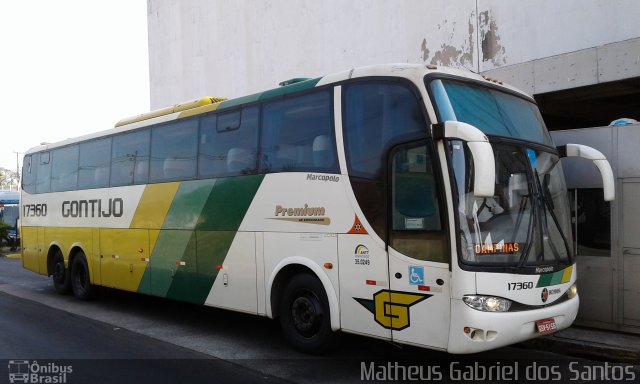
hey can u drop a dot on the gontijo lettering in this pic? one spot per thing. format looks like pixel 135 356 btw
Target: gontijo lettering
pixel 93 208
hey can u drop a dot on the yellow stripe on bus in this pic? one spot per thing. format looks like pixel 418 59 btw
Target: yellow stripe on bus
pixel 154 205
pixel 566 276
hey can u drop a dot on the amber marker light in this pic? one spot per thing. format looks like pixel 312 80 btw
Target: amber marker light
pixel 467 330
pixel 328 265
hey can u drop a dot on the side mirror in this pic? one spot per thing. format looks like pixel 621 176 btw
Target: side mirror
pixel 600 161
pixel 484 165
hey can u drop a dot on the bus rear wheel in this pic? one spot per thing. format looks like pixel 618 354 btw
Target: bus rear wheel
pixel 304 315
pixel 60 274
pixel 80 280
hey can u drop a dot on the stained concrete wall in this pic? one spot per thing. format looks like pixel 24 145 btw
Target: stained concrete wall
pixel 233 47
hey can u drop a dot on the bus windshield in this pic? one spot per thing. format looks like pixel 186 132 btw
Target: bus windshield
pixel 502 114
pixel 527 221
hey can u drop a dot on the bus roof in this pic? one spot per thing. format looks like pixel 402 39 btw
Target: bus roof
pixel 209 103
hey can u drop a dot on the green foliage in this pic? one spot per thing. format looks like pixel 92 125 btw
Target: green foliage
pixel 3 230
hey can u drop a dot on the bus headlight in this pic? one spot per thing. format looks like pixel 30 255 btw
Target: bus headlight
pixel 487 303
pixel 572 291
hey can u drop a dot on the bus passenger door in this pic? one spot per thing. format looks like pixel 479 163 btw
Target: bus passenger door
pixel 419 276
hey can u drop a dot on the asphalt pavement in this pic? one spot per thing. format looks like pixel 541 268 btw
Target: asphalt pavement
pixel 97 352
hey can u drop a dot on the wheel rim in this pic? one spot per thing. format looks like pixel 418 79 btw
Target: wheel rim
pixel 306 314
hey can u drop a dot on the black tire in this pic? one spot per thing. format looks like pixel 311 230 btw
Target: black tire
pixel 304 315
pixel 60 274
pixel 80 279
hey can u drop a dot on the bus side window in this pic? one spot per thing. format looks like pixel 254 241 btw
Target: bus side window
pixel 130 158
pixel 64 170
pixel 95 157
pixel 229 143
pixel 43 174
pixel 29 167
pixel 174 148
pixel 297 134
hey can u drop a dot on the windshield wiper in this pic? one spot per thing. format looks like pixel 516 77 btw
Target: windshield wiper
pixel 544 196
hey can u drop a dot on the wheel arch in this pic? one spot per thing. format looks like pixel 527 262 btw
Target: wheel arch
pixel 290 267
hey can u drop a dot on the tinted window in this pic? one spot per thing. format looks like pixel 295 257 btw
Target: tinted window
pixel 130 159
pixel 229 143
pixel 491 111
pixel 416 224
pixel 64 169
pixel 297 134
pixel 29 166
pixel 95 157
pixel 174 149
pixel 43 175
pixel 376 116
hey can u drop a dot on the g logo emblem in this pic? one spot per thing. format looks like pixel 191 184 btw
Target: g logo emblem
pixel 391 308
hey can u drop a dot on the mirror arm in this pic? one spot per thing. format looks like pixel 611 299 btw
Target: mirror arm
pixel 598 159
pixel 478 144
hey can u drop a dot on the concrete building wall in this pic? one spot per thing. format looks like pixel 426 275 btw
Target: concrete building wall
pixel 230 48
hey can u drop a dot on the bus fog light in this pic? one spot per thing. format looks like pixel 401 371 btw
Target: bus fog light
pixel 573 291
pixel 487 303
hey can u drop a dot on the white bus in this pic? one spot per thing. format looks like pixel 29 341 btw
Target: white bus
pixel 417 204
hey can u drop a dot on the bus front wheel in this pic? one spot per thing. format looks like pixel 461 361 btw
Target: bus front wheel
pixel 304 315
pixel 80 280
pixel 60 274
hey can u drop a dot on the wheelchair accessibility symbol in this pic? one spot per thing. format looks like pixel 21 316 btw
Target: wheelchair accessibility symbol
pixel 416 275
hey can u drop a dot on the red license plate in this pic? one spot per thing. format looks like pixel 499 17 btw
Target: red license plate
pixel 546 326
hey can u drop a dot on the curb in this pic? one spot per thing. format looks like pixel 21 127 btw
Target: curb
pixel 580 348
pixel 13 256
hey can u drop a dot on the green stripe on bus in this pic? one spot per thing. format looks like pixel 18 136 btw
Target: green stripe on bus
pixel 228 203
pixel 188 204
pixel 212 249
pixel 556 278
pixel 171 247
pixel 544 280
pixel 273 93
pixel 183 285
pixel 183 263
pixel 551 279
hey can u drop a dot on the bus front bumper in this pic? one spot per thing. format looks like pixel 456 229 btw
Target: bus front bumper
pixel 489 330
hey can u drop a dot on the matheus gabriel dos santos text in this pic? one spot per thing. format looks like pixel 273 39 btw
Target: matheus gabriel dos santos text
pixel 458 371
